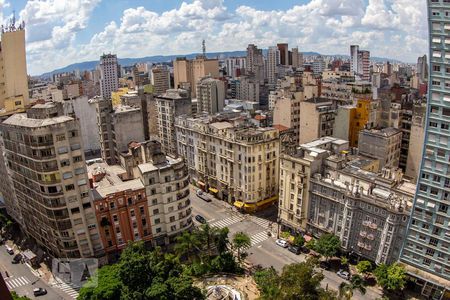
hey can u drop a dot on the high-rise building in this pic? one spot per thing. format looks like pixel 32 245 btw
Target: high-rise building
pixel 235 66
pixel 360 62
pixel 255 63
pixel 171 104
pixel 210 95
pixel 426 248
pixel 284 53
pixel 422 68
pixel 45 158
pixel 109 75
pixel 354 49
pixel 316 114
pixel 187 72
pixel 160 79
pixel 319 65
pixel 13 71
pixel 273 60
pixel 297 58
pixel 246 88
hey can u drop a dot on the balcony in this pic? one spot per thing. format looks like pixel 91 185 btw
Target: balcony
pixel 370 237
pixel 363 234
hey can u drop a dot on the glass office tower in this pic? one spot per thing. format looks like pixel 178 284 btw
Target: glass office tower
pixel 426 251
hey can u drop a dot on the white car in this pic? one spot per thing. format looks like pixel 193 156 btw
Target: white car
pixel 343 274
pixel 9 250
pixel 282 243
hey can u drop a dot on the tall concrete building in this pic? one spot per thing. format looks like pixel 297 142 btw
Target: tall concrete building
pixel 284 53
pixel 231 159
pixel 160 79
pixel 297 58
pixel 187 72
pixel 422 68
pixel 316 119
pixel 235 66
pixel 426 248
pixel 210 95
pixel 45 157
pixel 319 65
pixel 354 49
pixel 416 139
pixel 273 60
pixel 255 63
pixel 13 69
pixel 169 105
pixel 360 62
pixel 109 75
pixel 382 144
pixel 246 88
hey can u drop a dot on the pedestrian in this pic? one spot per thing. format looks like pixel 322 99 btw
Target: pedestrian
pixel 6 273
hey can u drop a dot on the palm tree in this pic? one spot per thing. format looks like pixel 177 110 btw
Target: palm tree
pixel 241 241
pixel 346 288
pixel 207 235
pixel 187 245
pixel 221 240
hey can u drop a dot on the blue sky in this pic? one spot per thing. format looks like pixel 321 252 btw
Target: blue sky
pixel 60 32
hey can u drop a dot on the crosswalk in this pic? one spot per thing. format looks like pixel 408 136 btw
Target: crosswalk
pixel 259 237
pixel 226 222
pixel 13 283
pixel 261 222
pixel 68 289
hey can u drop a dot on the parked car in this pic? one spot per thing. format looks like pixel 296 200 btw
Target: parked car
pixel 9 250
pixel 325 265
pixel 282 243
pixel 39 292
pixel 202 195
pixel 16 259
pixel 200 219
pixel 295 249
pixel 343 274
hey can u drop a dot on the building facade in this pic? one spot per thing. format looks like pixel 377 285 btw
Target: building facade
pixel 426 249
pixel 45 157
pixel 210 95
pixel 316 119
pixel 109 75
pixel 160 79
pixel 382 144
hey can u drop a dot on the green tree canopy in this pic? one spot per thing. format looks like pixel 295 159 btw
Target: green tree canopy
pixel 391 277
pixel 364 267
pixel 17 297
pixel 327 245
pixel 346 288
pixel 241 241
pixel 299 241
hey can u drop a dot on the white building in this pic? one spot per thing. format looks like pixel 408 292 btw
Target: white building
pixel 210 95
pixel 273 60
pixel 109 75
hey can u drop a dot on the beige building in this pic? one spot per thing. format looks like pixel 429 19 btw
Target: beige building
pixel 160 79
pixel 169 105
pixel 382 144
pixel 45 159
pixel 188 72
pixel 296 168
pixel 13 69
pixel 227 157
pixel 166 182
pixel 316 119
pixel 210 95
pixel 416 141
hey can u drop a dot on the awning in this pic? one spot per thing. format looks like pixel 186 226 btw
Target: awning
pixel 29 255
pixel 307 238
pixel 238 204
pixel 268 200
pixel 213 190
pixel 249 205
pixel 200 183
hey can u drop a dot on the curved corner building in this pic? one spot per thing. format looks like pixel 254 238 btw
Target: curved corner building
pixel 426 251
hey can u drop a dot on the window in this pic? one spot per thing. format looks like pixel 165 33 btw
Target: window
pixel 67 175
pixel 65 163
pixel 172 219
pixel 79 171
pixel 446 112
pixel 77 159
pixel 157 221
pixel 112 204
pixel 156 211
pixel 115 219
pixel 60 137
pixel 141 210
pixel 70 187
pixel 75 147
pixel 62 150
pixel 81 182
pixel 158 230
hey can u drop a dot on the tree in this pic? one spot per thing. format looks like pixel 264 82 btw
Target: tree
pixel 327 245
pixel 299 241
pixel 207 235
pixel 221 240
pixel 17 297
pixel 267 280
pixel 187 245
pixel 241 241
pixel 105 284
pixel 364 267
pixel 346 288
pixel 392 278
pixel 285 235
pixel 344 261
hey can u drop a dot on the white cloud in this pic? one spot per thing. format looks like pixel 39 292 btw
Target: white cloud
pixel 394 28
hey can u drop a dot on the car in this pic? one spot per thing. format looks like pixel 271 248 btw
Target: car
pixel 200 219
pixel 39 292
pixel 9 250
pixel 343 274
pixel 295 249
pixel 16 259
pixel 282 243
pixel 202 195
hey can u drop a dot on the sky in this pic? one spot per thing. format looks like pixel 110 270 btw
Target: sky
pixel 62 32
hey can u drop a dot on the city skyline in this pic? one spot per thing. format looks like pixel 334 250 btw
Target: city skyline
pixel 63 32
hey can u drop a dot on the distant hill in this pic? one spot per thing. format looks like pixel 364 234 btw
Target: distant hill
pixel 90 65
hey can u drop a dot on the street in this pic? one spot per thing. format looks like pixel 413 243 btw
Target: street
pixel 22 280
pixel 264 251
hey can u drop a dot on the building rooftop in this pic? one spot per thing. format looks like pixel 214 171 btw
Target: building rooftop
pixel 22 120
pixel 385 132
pixel 149 167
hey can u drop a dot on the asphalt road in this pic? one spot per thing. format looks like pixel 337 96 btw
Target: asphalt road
pixel 21 280
pixel 264 251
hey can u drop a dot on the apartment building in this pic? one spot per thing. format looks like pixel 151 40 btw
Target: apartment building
pixel 255 63
pixel 235 66
pixel 160 79
pixel 368 211
pixel 426 249
pixel 416 139
pixel 44 154
pixel 109 75
pixel 273 60
pixel 210 95
pixel 169 105
pixel 317 117
pixel 187 72
pixel 297 165
pixel 227 157
pixel 121 208
pixel 13 72
pixel 246 88
pixel 382 144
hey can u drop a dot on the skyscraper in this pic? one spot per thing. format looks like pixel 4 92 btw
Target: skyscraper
pixel 273 60
pixel 210 95
pixel 13 71
pixel 160 79
pixel 255 62
pixel 109 75
pixel 354 49
pixel 284 53
pixel 360 62
pixel 426 248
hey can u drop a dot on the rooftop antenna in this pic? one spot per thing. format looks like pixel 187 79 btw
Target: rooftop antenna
pixel 204 48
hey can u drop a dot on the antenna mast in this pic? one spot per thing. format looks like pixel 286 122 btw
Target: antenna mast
pixel 204 48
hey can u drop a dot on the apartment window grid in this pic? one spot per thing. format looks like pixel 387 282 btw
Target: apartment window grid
pixel 430 211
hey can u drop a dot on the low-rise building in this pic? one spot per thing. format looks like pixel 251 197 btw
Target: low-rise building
pixel 382 144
